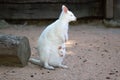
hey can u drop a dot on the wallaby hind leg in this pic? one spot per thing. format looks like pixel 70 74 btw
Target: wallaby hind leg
pixel 46 58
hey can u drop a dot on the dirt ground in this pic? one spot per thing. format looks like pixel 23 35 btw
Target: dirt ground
pixel 93 53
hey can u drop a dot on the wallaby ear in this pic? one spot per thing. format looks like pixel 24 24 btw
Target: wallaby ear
pixel 64 8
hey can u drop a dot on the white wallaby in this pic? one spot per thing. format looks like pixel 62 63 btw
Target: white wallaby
pixel 51 43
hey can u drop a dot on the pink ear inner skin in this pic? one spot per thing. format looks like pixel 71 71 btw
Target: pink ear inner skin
pixel 65 9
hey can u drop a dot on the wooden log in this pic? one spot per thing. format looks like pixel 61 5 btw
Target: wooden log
pixel 14 50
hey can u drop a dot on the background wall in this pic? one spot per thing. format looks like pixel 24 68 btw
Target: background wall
pixel 46 9
pixel 116 9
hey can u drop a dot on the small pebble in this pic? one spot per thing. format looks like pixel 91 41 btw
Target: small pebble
pixel 104 42
pixel 4 73
pixel 83 32
pixel 79 57
pixel 104 37
pixel 116 75
pixel 48 72
pixel 89 49
pixel 13 71
pixel 35 73
pixel 90 44
pixel 107 77
pixel 111 73
pixel 85 60
pixel 42 73
pixel 76 43
pixel 32 76
pixel 116 71
pixel 102 54
pixel 109 57
pixel 105 50
pixel 96 64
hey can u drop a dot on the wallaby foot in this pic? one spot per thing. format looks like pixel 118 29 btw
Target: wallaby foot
pixel 47 66
pixel 63 66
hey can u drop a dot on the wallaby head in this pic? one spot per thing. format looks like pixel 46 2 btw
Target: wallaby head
pixel 67 15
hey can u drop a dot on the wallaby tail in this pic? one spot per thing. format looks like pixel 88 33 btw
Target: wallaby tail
pixel 35 61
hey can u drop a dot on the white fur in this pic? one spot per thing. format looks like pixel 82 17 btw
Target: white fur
pixel 62 50
pixel 55 35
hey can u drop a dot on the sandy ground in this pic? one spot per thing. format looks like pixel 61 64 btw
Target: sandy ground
pixel 93 53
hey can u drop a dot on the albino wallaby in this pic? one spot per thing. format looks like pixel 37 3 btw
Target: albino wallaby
pixel 49 42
